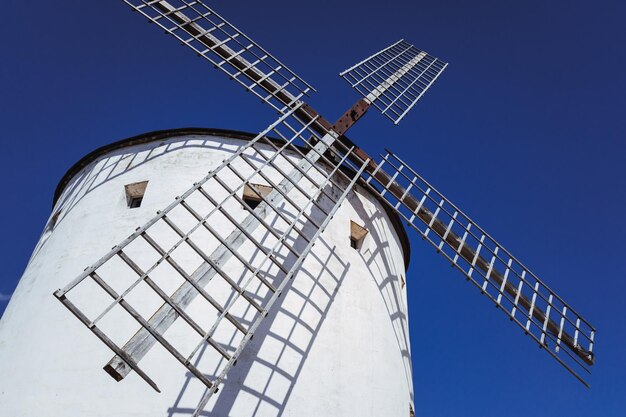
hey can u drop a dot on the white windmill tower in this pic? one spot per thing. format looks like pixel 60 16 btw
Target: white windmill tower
pixel 277 279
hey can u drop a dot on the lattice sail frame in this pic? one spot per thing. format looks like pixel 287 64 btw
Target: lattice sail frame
pixel 183 231
pixel 213 38
pixel 394 79
pixel 514 289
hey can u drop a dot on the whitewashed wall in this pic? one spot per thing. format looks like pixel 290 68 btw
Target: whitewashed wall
pixel 336 344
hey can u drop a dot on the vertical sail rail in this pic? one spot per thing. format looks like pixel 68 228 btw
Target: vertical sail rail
pixel 394 79
pixel 197 279
pixel 213 38
pixel 514 289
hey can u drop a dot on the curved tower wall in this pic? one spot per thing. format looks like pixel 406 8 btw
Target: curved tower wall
pixel 336 343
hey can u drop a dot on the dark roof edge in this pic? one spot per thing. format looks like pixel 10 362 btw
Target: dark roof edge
pixel 225 133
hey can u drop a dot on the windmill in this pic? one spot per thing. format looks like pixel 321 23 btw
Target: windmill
pixel 392 81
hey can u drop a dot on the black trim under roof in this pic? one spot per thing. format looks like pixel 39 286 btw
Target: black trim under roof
pixel 159 135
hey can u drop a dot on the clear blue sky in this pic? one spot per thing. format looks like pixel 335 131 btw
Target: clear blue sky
pixel 525 131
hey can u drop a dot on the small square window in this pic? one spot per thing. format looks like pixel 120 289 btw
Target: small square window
pixel 135 193
pixel 253 194
pixel 357 235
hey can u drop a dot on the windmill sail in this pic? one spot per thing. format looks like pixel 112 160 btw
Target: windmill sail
pixel 174 241
pixel 514 289
pixel 394 79
pixel 213 38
